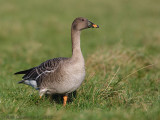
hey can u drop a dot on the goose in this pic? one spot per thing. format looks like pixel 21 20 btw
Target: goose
pixel 60 75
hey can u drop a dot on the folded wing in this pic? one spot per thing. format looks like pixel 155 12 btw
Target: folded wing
pixel 35 75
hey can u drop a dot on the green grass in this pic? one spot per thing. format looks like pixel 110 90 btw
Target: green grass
pixel 122 58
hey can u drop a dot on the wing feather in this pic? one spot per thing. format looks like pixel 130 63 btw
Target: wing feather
pixel 39 72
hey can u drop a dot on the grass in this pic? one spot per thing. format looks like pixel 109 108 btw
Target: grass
pixel 122 58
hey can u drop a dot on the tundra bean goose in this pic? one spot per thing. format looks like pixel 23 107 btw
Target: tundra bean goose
pixel 60 75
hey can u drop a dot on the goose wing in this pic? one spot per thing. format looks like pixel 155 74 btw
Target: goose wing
pixel 36 74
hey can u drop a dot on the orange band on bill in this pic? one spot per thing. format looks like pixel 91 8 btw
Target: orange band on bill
pixel 94 25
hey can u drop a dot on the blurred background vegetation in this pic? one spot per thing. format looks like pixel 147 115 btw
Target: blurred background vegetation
pixel 122 57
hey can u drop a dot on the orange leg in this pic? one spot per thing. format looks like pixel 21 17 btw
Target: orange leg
pixel 65 100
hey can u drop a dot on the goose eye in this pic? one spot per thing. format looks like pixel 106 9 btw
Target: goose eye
pixel 82 19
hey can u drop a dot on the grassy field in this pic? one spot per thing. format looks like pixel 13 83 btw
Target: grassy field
pixel 122 58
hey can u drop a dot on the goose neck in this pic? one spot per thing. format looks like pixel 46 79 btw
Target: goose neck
pixel 76 49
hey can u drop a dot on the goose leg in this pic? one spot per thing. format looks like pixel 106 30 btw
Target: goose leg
pixel 42 92
pixel 65 97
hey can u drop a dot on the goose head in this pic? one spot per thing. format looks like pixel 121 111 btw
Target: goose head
pixel 81 23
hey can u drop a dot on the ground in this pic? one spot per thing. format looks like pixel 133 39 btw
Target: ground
pixel 122 58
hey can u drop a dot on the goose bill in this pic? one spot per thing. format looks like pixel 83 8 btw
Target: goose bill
pixel 92 25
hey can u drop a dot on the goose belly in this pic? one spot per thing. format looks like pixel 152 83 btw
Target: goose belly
pixel 71 82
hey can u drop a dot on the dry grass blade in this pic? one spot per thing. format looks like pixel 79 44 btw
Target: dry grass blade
pixel 138 70
pixel 113 77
